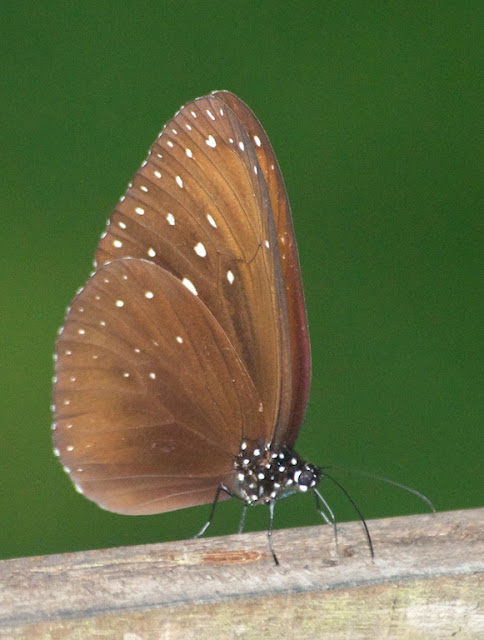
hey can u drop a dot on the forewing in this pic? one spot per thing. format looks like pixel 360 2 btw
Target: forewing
pixel 298 326
pixel 199 207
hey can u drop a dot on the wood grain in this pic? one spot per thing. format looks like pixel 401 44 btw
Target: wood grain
pixel 425 582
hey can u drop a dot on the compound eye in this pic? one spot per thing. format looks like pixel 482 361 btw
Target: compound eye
pixel 306 478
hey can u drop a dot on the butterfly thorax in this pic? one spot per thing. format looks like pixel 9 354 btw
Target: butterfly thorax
pixel 264 474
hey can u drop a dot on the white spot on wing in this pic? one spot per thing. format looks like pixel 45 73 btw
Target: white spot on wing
pixel 230 277
pixel 210 141
pixel 257 141
pixel 157 174
pixel 179 339
pixel 171 219
pixel 151 252
pixel 211 221
pixel 190 286
pixel 117 243
pixel 149 295
pixel 200 250
pixel 121 225
pixel 119 303
pixel 241 146
pixel 140 211
pixel 210 114
pixel 189 153
pixel 179 182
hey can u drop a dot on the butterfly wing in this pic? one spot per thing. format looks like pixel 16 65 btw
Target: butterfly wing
pixel 197 229
pixel 200 208
pixel 298 326
pixel 149 391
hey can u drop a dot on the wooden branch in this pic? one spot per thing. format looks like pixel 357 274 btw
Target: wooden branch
pixel 423 583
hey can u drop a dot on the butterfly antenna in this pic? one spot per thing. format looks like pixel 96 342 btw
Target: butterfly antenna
pixel 373 476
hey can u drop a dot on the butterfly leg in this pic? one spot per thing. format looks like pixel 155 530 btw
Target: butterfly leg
pixel 331 520
pixel 221 488
pixel 269 531
pixel 242 519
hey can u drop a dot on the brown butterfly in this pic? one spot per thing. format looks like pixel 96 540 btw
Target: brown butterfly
pixel 183 367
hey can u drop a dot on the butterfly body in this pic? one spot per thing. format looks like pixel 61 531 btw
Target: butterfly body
pixel 264 475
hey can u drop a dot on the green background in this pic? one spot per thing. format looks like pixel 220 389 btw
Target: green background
pixel 371 108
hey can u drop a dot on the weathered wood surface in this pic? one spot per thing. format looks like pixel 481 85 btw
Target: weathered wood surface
pixel 426 582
